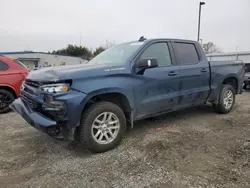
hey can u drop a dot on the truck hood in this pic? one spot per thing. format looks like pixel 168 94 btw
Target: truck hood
pixel 55 74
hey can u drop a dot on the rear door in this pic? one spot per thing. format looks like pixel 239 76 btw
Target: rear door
pixel 159 90
pixel 194 73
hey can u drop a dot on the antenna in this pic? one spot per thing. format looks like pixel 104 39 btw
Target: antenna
pixel 142 38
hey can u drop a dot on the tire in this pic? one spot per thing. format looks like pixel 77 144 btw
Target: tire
pixel 94 117
pixel 245 86
pixel 221 107
pixel 6 98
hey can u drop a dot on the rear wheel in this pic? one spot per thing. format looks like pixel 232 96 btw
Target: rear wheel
pixel 245 86
pixel 226 99
pixel 102 127
pixel 6 98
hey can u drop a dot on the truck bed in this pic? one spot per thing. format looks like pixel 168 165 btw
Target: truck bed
pixel 219 71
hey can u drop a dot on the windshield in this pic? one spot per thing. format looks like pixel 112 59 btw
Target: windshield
pixel 20 63
pixel 117 54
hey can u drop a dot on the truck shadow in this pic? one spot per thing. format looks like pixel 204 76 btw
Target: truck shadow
pixel 142 127
pixel 171 118
pixel 246 90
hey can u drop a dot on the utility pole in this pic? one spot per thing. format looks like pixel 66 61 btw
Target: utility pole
pixel 201 41
pixel 199 21
pixel 81 40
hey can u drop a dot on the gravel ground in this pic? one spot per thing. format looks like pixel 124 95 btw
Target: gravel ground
pixel 191 148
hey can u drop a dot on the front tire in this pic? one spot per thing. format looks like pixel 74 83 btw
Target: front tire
pixel 102 127
pixel 226 99
pixel 6 98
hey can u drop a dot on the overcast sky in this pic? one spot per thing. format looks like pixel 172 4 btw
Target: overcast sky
pixel 46 25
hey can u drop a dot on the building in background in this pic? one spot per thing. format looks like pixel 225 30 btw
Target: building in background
pixel 37 60
pixel 244 56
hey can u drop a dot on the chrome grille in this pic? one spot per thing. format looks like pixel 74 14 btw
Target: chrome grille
pixel 32 83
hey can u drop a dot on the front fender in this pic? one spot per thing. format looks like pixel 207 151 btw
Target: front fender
pixel 118 83
pixel 128 94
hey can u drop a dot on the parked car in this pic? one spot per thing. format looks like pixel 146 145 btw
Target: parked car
pixel 12 74
pixel 247 76
pixel 94 103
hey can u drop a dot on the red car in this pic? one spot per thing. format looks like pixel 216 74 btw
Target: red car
pixel 12 75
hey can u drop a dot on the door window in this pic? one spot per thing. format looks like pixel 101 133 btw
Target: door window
pixel 160 51
pixel 3 66
pixel 186 53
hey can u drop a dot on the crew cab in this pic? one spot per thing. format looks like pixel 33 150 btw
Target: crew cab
pixel 94 103
pixel 12 74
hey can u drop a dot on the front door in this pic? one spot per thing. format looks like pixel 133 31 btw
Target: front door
pixel 159 90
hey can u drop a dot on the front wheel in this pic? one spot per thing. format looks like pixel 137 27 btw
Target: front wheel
pixel 226 99
pixel 102 127
pixel 6 98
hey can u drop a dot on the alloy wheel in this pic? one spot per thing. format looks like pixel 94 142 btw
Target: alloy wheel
pixel 105 128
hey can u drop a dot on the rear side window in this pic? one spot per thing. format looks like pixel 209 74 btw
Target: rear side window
pixel 3 66
pixel 159 51
pixel 186 53
pixel 20 63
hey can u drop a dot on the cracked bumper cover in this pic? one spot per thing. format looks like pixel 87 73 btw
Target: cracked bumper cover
pixel 73 106
pixel 35 119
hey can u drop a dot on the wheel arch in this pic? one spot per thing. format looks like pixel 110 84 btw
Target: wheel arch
pixel 116 97
pixel 233 81
pixel 230 79
pixel 10 89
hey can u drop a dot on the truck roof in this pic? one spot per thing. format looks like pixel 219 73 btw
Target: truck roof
pixel 142 39
pixel 170 39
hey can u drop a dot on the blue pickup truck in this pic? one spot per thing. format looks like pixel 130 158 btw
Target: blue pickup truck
pixel 94 103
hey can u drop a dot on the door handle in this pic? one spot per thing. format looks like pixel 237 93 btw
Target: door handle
pixel 172 73
pixel 203 70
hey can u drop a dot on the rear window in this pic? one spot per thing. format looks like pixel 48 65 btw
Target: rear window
pixel 20 63
pixel 186 53
pixel 3 66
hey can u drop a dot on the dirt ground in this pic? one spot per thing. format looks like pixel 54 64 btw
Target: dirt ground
pixel 192 148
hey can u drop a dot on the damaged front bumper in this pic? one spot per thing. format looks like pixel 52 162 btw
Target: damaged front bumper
pixel 52 114
pixel 35 119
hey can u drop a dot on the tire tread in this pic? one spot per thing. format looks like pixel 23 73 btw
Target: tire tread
pixel 219 108
pixel 87 115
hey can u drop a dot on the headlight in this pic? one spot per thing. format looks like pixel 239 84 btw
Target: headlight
pixel 55 88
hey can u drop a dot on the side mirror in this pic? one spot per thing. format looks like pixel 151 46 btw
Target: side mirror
pixel 146 63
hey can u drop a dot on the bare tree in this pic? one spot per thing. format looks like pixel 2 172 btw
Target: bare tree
pixel 210 47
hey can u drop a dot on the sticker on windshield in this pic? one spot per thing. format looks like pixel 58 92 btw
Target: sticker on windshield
pixel 136 43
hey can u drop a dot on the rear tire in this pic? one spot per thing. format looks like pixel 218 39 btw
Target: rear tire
pixel 245 86
pixel 6 98
pixel 226 99
pixel 102 127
